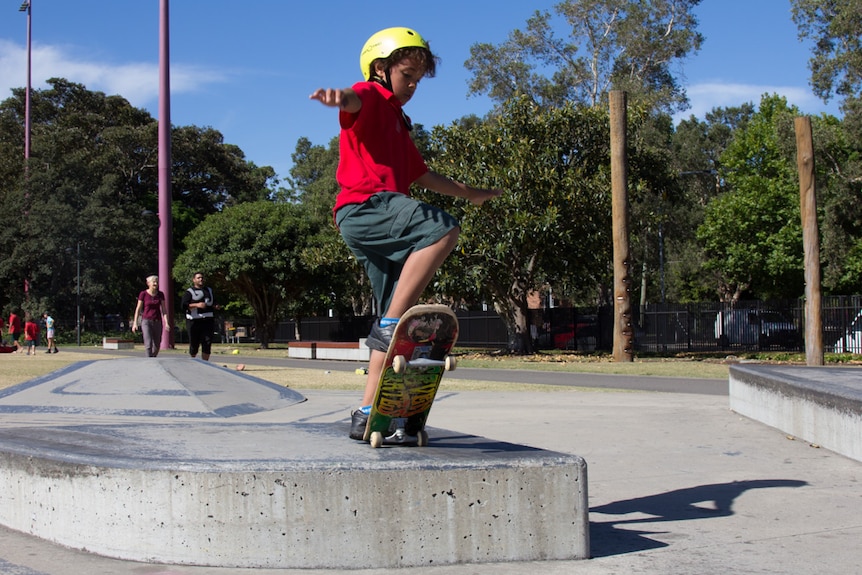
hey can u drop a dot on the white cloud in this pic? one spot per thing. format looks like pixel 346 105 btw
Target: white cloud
pixel 706 96
pixel 138 82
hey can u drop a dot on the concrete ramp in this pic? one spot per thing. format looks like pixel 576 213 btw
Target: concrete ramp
pixel 822 405
pixel 147 387
pixel 183 462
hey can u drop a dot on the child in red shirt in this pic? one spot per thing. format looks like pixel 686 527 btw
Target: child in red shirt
pixel 31 335
pixel 400 241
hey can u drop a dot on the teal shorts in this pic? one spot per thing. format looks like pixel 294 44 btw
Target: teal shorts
pixel 383 231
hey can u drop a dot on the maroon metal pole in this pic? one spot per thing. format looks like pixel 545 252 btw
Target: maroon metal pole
pixel 27 6
pixel 165 217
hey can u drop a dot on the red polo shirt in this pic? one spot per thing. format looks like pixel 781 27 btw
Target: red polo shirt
pixel 376 152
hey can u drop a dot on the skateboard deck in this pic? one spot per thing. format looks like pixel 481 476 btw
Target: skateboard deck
pixel 417 357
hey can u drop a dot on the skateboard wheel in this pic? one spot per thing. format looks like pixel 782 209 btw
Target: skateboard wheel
pixel 422 438
pixel 376 439
pixel 399 364
pixel 451 364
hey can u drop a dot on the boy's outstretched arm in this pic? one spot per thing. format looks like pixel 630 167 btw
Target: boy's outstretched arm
pixel 346 98
pixel 449 187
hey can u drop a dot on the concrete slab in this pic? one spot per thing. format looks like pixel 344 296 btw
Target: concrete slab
pixel 821 405
pixel 679 484
pixel 154 387
pixel 182 462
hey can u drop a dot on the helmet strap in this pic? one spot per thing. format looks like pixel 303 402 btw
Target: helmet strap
pixel 387 83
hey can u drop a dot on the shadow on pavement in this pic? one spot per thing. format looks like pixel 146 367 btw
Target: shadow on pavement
pixel 607 538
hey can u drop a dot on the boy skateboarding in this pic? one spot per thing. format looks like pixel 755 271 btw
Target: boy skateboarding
pixel 400 241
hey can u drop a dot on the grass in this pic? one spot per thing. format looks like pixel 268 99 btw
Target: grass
pixel 18 368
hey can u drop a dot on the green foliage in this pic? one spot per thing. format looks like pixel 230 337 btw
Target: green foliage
pixel 346 289
pixel 92 183
pixel 255 251
pixel 834 27
pixel 752 234
pixel 552 221
pixel 611 45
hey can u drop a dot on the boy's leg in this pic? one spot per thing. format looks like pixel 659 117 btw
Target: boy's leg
pixel 417 272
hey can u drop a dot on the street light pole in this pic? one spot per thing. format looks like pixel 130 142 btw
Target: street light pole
pixel 27 6
pixel 78 296
pixel 165 218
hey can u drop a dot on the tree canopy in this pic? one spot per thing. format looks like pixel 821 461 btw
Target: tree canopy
pixel 92 182
pixel 611 45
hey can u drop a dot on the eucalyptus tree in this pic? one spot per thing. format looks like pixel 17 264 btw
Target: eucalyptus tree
pixel 606 45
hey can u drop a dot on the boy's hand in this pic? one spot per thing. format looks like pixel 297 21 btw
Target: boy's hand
pixel 346 99
pixel 480 196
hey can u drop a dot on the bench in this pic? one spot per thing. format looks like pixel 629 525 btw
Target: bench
pixel 344 350
pixel 117 343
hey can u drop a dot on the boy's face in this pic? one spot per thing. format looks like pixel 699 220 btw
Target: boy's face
pixel 405 76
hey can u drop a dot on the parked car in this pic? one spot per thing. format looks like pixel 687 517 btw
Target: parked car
pixel 580 336
pixel 755 327
pixel 851 341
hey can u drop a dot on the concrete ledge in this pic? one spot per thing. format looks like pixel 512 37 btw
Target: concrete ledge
pixel 114 343
pixel 820 405
pixel 349 351
pixel 284 496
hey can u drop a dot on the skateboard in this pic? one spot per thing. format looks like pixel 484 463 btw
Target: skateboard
pixel 417 357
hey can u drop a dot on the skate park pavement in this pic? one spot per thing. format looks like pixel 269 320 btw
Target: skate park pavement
pixel 678 483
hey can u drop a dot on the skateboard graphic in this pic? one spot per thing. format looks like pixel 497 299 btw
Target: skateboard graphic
pixel 417 357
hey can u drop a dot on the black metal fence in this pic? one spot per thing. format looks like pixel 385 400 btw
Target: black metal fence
pixel 658 328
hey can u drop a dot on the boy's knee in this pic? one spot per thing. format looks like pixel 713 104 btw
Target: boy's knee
pixel 451 238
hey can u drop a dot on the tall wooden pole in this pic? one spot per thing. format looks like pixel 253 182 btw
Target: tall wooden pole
pixel 810 241
pixel 623 330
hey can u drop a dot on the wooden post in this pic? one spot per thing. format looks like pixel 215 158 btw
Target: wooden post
pixel 810 241
pixel 623 331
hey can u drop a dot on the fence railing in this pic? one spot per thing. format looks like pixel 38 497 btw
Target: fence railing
pixel 659 328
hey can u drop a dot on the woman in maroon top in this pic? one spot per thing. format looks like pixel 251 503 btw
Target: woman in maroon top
pixel 152 310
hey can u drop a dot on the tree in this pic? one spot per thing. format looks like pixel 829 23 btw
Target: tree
pixel 752 234
pixel 91 178
pixel 315 187
pixel 696 160
pixel 552 223
pixel 834 26
pixel 836 69
pixel 254 250
pixel 626 45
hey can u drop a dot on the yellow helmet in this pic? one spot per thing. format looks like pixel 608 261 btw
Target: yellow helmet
pixel 383 43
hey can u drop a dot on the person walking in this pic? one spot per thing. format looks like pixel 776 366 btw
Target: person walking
pixel 199 306
pixel 49 332
pixel 153 311
pixel 400 241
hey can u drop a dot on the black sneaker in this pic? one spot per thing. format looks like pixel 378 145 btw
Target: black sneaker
pixel 358 422
pixel 380 337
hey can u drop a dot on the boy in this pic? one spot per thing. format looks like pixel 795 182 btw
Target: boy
pixel 31 334
pixel 400 242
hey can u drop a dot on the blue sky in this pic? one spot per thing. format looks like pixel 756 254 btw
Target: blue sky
pixel 247 68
